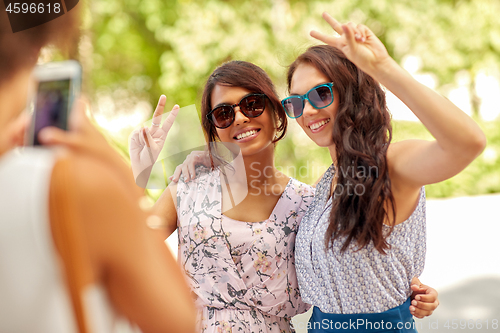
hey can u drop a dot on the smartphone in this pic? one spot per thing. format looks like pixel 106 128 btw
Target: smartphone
pixel 58 85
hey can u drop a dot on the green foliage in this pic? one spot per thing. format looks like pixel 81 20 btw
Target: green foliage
pixel 136 50
pixel 306 161
pixel 177 44
pixel 482 176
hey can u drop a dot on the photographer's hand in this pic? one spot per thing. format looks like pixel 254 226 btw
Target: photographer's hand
pixel 84 137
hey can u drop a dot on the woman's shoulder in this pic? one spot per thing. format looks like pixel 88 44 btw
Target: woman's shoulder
pixel 206 185
pixel 206 179
pixel 203 173
pixel 303 187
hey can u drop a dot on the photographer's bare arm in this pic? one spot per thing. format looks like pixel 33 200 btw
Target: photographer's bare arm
pixel 412 163
pixel 131 260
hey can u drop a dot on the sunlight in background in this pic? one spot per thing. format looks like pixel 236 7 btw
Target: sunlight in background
pixel 117 121
pixel 460 94
pixel 398 109
pixel 487 89
pixel 490 155
pixel 119 112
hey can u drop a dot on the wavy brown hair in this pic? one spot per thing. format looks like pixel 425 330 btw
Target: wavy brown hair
pixel 245 75
pixel 20 50
pixel 361 133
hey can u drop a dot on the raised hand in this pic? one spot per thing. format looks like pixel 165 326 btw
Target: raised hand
pixel 146 143
pixel 357 42
pixel 424 299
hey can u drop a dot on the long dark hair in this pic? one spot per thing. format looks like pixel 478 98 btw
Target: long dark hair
pixel 244 75
pixel 361 133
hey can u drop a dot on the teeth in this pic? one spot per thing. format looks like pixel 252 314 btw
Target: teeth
pixel 245 134
pixel 318 125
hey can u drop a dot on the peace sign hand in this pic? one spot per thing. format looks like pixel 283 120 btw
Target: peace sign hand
pixel 146 143
pixel 357 42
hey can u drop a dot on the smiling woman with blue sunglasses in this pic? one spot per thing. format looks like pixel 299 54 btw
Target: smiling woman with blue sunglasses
pixel 363 236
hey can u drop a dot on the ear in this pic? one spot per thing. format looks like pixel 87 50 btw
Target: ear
pixel 276 118
pixel 276 123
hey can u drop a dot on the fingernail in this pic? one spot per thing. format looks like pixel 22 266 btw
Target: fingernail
pixel 363 39
pixel 414 303
pixel 417 298
pixel 44 135
pixel 357 36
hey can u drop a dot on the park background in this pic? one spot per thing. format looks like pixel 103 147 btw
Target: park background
pixel 132 51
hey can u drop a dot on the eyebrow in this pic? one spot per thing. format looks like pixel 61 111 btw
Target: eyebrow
pixel 319 84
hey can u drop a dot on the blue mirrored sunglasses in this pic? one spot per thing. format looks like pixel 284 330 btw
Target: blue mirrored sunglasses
pixel 319 97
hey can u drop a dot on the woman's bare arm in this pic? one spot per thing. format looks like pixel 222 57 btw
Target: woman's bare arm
pixel 165 208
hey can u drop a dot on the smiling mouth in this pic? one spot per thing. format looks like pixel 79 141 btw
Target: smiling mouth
pixel 319 124
pixel 245 134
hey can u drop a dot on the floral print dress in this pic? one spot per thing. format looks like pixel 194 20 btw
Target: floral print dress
pixel 243 273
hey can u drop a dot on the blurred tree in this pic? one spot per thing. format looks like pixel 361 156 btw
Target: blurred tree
pixel 176 44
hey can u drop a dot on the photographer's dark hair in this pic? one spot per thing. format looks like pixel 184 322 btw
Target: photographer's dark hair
pixel 361 133
pixel 21 49
pixel 245 75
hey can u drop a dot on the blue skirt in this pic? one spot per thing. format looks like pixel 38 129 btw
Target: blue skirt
pixel 396 320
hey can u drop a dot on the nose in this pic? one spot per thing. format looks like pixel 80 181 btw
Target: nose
pixel 308 109
pixel 239 117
